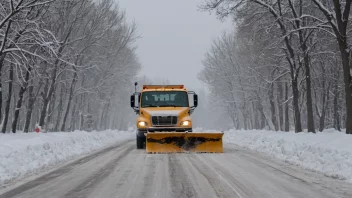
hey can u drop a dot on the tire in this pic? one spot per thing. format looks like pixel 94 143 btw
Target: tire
pixel 140 142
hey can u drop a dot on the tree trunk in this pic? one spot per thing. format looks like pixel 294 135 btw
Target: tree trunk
pixel 342 22
pixel 295 92
pixel 50 112
pixel 337 124
pixel 311 127
pixel 74 80
pixel 8 101
pixel 272 106
pixel 60 109
pixel 44 98
pixel 325 107
pixel 256 115
pixel 102 117
pixel 303 42
pixel 245 121
pixel 287 122
pixel 291 58
pixel 348 85
pixel 31 101
pixel 2 58
pixel 51 88
pixel 261 112
pixel 81 127
pixel 233 119
pixel 47 98
pixel 73 117
pixel 342 13
pixel 20 99
pixel 280 105
pixel 309 101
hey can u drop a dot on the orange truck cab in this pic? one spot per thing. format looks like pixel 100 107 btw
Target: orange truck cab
pixel 162 108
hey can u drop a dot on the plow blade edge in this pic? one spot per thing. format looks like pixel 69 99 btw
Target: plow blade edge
pixel 178 142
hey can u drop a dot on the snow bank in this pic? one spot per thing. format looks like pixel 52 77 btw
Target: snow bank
pixel 199 129
pixel 26 154
pixel 328 152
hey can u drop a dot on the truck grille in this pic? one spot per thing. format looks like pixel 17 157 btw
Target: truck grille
pixel 164 120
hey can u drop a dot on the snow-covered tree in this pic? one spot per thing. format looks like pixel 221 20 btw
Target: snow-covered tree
pixel 68 64
pixel 278 45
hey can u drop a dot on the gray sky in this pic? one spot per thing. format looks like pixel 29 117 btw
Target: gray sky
pixel 174 37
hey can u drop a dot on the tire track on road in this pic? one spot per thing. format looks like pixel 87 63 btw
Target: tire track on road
pixel 145 179
pixel 257 181
pixel 59 172
pixel 214 178
pixel 123 180
pixel 181 186
pixel 282 170
pixel 88 185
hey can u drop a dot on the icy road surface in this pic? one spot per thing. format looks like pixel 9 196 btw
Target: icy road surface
pixel 123 171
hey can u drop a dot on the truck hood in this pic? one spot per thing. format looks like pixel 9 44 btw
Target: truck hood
pixel 165 111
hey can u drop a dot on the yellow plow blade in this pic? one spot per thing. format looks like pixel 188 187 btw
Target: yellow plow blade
pixel 178 142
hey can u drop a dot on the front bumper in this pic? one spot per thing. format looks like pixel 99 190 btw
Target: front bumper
pixel 140 132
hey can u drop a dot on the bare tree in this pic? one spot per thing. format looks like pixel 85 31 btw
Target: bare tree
pixel 337 16
pixel 65 60
pixel 286 40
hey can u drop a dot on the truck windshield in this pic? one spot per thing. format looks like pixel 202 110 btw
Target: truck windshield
pixel 164 99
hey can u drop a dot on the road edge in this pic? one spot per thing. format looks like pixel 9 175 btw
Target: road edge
pixel 16 183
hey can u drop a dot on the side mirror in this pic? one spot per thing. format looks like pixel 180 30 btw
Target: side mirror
pixel 133 101
pixel 195 100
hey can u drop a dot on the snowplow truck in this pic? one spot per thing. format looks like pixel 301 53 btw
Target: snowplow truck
pixel 164 123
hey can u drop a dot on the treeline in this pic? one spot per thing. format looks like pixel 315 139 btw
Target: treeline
pixel 286 66
pixel 65 65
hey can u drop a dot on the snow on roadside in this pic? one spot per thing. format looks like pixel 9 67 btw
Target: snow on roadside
pixel 328 152
pixel 26 154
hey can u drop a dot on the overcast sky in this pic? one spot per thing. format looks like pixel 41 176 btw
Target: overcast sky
pixel 174 37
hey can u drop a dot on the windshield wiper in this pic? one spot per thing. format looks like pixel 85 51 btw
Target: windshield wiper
pixel 150 106
pixel 167 105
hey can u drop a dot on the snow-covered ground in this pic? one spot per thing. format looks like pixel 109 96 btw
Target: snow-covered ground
pixel 328 152
pixel 26 154
pixel 22 154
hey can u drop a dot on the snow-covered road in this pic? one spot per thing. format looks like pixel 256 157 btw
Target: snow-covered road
pixel 123 171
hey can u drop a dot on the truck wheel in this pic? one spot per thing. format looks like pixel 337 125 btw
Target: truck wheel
pixel 140 143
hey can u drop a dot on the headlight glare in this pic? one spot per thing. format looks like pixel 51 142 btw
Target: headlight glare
pixel 185 123
pixel 142 123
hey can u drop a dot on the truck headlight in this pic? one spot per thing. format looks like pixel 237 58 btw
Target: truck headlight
pixel 142 124
pixel 185 123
